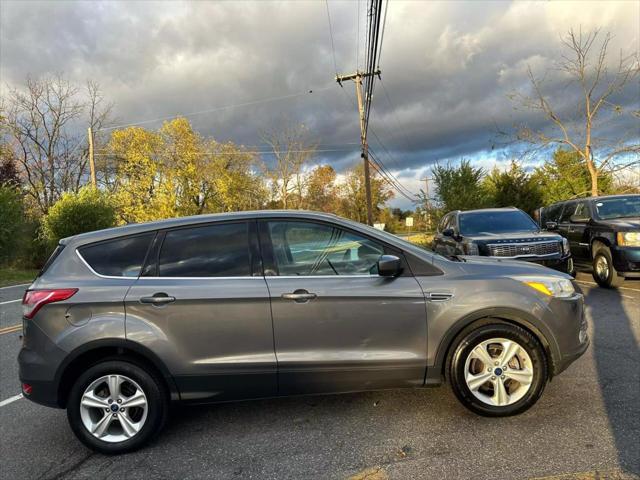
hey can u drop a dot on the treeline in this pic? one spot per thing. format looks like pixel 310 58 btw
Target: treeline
pixel 466 187
pixel 144 174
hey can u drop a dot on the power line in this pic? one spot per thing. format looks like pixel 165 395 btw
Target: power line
pixel 393 112
pixel 333 49
pixel 262 152
pixel 396 182
pixel 384 24
pixel 216 109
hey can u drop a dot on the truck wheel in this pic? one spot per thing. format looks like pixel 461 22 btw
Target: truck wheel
pixel 497 370
pixel 604 273
pixel 116 407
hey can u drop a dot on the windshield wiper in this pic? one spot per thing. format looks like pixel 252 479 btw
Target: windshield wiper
pixel 456 258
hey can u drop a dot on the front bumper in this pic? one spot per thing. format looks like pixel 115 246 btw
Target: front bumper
pixel 626 260
pixel 570 328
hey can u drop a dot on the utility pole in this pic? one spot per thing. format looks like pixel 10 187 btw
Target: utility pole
pixel 357 78
pixel 92 164
pixel 428 201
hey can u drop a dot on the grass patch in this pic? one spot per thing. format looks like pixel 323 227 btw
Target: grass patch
pixel 16 276
pixel 421 239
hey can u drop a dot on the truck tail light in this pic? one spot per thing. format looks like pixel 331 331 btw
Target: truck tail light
pixel 34 300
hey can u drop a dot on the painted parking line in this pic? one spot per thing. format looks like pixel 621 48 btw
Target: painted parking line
pixel 10 301
pixel 619 288
pixel 10 400
pixel 11 329
pixel 14 286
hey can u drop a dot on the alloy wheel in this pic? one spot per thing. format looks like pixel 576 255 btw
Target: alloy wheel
pixel 498 372
pixel 113 408
pixel 602 267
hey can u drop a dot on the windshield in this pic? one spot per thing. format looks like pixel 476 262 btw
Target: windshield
pixel 499 221
pixel 618 207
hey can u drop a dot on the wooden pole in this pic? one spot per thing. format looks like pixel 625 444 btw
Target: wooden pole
pixel 92 164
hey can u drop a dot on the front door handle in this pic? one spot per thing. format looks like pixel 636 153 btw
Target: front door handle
pixel 158 299
pixel 300 296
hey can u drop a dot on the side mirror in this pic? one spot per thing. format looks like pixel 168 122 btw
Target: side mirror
pixel 389 266
pixel 448 232
pixel 552 225
pixel 578 219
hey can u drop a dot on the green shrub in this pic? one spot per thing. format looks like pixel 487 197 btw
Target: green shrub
pixel 89 209
pixel 11 224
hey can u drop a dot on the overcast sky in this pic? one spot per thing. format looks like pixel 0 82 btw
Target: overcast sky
pixel 447 67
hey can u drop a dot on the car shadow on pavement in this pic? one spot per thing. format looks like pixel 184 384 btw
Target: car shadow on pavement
pixel 617 358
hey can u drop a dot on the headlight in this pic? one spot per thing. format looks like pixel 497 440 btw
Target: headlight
pixel 565 246
pixel 554 287
pixel 629 239
pixel 471 248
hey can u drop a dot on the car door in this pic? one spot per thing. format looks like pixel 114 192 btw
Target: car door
pixel 338 325
pixel 577 231
pixel 564 218
pixel 203 306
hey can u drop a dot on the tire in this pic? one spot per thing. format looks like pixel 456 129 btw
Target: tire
pixel 604 273
pixel 528 363
pixel 143 421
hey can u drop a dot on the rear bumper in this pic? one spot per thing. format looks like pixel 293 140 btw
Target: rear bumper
pixel 38 361
pixel 626 261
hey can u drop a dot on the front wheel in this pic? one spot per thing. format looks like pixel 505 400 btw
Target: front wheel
pixel 604 273
pixel 497 369
pixel 116 407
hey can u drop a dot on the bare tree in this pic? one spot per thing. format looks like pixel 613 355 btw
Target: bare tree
pixel 46 123
pixel 292 150
pixel 587 67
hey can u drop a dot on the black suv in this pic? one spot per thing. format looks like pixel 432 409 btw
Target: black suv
pixel 501 233
pixel 604 231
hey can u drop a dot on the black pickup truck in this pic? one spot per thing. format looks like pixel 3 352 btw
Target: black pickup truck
pixel 604 231
pixel 507 233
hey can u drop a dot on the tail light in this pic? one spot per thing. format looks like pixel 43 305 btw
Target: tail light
pixel 34 300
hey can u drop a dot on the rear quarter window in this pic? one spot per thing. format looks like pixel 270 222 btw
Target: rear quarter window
pixel 121 257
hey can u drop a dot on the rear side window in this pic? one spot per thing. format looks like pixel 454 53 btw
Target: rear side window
pixel 122 257
pixel 209 251
pixel 51 259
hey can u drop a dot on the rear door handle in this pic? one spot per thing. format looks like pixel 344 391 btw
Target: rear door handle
pixel 158 299
pixel 300 296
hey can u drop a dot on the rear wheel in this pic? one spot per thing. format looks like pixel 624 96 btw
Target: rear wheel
pixel 604 273
pixel 498 370
pixel 116 407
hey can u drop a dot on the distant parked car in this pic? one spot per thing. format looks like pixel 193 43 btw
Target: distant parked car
pixel 507 233
pixel 604 231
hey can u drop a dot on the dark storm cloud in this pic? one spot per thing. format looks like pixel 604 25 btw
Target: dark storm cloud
pixel 447 66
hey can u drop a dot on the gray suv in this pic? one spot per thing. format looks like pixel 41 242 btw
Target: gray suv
pixel 213 308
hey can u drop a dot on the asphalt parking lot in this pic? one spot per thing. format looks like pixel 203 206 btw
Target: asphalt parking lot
pixel 587 424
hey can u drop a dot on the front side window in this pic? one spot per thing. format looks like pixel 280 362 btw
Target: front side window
pixel 310 249
pixel 582 211
pixel 206 251
pixel 122 257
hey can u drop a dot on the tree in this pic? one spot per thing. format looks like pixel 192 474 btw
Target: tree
pixel 43 120
pixel 9 175
pixel 87 210
pixel 564 177
pixel 459 188
pixel 321 194
pixel 11 222
pixel 353 202
pixel 586 65
pixel 175 172
pixel 292 150
pixel 513 187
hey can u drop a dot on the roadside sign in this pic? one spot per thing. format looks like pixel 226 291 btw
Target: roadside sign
pixel 408 221
pixel 379 226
